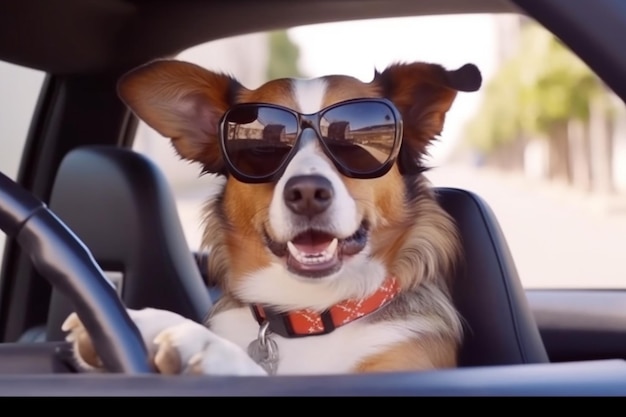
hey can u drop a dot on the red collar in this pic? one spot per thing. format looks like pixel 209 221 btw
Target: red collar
pixel 308 322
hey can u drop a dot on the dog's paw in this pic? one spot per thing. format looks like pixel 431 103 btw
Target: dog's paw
pixel 193 349
pixel 82 346
pixel 149 321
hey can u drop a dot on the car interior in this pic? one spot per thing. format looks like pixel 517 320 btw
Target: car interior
pixel 86 210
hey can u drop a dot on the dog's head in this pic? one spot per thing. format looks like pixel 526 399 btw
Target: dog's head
pixel 321 185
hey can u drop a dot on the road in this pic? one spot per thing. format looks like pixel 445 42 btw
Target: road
pixel 558 238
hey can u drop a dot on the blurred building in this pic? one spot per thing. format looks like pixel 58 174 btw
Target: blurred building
pixel 619 145
pixel 508 34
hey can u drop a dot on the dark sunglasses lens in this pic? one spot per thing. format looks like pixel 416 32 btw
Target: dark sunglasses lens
pixel 258 139
pixel 361 135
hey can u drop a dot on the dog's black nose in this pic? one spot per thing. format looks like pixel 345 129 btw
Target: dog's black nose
pixel 308 195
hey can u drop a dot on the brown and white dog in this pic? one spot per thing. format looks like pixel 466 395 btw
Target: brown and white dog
pixel 326 238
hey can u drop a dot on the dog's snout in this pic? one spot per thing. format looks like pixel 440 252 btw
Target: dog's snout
pixel 308 195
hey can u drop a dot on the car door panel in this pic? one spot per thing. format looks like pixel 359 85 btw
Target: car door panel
pixel 581 324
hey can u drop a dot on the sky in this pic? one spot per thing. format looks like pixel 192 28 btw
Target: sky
pixel 357 48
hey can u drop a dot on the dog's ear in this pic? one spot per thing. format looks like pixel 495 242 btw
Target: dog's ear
pixel 183 102
pixel 423 93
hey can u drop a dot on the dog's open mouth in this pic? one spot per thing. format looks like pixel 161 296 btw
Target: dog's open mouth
pixel 317 254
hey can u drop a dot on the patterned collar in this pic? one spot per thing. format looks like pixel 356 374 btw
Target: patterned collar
pixel 308 322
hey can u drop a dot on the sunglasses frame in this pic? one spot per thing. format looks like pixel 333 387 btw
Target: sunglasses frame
pixel 312 121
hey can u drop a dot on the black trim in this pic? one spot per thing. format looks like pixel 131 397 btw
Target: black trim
pixel 327 322
pixel 280 324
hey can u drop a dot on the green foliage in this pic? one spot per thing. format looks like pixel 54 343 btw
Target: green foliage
pixel 283 56
pixel 542 84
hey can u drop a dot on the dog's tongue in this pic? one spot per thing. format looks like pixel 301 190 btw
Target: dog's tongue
pixel 312 242
pixel 313 255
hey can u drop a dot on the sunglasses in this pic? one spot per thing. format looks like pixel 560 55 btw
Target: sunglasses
pixel 361 137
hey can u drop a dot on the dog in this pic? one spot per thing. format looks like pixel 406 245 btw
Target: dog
pixel 326 238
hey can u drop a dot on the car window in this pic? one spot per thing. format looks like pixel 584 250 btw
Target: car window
pixel 540 142
pixel 20 90
pixel 246 56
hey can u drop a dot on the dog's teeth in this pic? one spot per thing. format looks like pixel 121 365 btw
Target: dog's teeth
pixel 332 248
pixel 302 258
pixel 313 258
pixel 293 250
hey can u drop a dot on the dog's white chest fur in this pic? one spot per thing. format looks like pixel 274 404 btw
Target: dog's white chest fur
pixel 337 352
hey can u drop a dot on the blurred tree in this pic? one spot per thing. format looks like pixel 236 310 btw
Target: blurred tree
pixel 544 90
pixel 283 56
pixel 498 121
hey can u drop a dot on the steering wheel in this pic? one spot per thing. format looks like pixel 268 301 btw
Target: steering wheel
pixel 59 256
